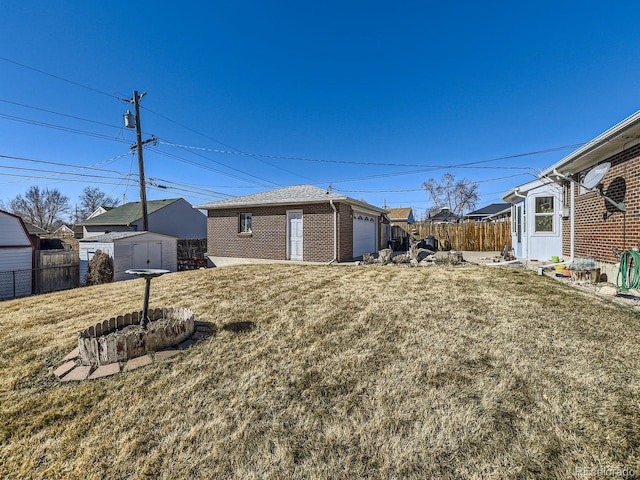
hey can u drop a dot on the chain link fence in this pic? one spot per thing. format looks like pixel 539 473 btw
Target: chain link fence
pixel 16 283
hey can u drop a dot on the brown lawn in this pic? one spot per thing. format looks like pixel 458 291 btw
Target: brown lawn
pixel 350 372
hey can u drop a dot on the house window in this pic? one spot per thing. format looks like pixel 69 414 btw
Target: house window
pixel 544 214
pixel 244 224
pixel 514 215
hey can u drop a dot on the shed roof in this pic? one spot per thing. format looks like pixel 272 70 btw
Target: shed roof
pixel 112 236
pixel 34 229
pixel 294 195
pixel 127 213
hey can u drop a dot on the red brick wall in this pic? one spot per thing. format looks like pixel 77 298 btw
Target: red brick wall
pixel 268 239
pixel 599 227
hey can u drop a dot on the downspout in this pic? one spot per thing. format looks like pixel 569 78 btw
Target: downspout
pixel 572 225
pixel 335 232
pixel 572 236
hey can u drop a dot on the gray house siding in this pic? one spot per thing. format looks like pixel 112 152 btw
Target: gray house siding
pixel 178 219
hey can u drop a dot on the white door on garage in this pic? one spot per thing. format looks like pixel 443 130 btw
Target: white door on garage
pixel 294 234
pixel 147 255
pixel 364 234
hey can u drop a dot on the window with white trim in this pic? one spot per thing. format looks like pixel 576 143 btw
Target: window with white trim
pixel 543 214
pixel 244 223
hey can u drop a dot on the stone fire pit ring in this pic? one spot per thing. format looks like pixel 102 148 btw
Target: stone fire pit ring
pixel 122 338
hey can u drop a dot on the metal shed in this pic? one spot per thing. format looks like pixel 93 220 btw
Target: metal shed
pixel 130 250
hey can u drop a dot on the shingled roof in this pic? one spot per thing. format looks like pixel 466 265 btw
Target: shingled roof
pixel 295 195
pixel 399 214
pixel 127 213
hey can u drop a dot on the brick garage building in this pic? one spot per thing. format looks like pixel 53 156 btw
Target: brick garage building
pixel 594 228
pixel 299 223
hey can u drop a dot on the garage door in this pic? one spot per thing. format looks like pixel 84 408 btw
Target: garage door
pixel 364 234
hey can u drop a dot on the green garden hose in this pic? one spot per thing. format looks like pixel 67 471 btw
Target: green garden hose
pixel 629 271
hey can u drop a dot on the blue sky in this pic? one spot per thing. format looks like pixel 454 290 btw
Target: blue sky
pixel 372 98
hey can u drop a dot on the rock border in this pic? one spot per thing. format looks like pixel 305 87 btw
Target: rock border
pixel 118 339
pixel 73 370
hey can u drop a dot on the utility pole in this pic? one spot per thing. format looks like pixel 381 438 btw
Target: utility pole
pixel 138 146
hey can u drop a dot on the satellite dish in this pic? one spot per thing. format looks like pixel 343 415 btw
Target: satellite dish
pixel 595 176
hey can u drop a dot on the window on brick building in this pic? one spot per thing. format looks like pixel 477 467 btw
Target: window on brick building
pixel 244 223
pixel 544 214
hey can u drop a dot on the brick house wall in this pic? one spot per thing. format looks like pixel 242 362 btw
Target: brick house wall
pixel 268 239
pixel 599 226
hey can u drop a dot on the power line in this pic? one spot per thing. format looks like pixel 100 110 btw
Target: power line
pixel 240 152
pixel 191 188
pixel 384 164
pixel 62 128
pixel 206 167
pixel 60 114
pixel 421 189
pixel 77 84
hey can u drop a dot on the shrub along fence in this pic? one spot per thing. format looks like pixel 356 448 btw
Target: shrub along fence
pixel 472 236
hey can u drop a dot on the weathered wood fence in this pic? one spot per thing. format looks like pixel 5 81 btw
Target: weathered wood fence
pixel 473 236
pixel 56 270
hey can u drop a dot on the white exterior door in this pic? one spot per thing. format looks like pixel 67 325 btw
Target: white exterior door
pixel 295 235
pixel 364 234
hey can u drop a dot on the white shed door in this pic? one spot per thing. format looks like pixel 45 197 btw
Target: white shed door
pixel 295 232
pixel 364 234
pixel 147 255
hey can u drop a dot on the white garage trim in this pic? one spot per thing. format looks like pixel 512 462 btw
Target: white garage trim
pixel 365 233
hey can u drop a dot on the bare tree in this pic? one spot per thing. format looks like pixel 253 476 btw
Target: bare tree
pixel 92 198
pixel 42 208
pixel 457 196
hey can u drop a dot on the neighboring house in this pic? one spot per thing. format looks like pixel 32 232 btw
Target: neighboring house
pixel 401 217
pixel 536 223
pixel 35 234
pixel 78 230
pixel 595 229
pixel 63 231
pixel 495 212
pixel 130 250
pixel 301 222
pixel 99 211
pixel 401 221
pixel 174 217
pixel 16 257
pixel 443 216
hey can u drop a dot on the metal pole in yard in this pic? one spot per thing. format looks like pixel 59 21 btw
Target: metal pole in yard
pixel 145 309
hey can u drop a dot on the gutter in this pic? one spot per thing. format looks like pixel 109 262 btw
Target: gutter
pixel 335 233
pixel 596 143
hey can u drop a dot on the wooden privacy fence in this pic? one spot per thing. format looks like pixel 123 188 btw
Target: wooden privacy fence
pixel 56 270
pixel 473 236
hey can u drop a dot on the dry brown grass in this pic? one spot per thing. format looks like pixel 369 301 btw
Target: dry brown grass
pixel 350 372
